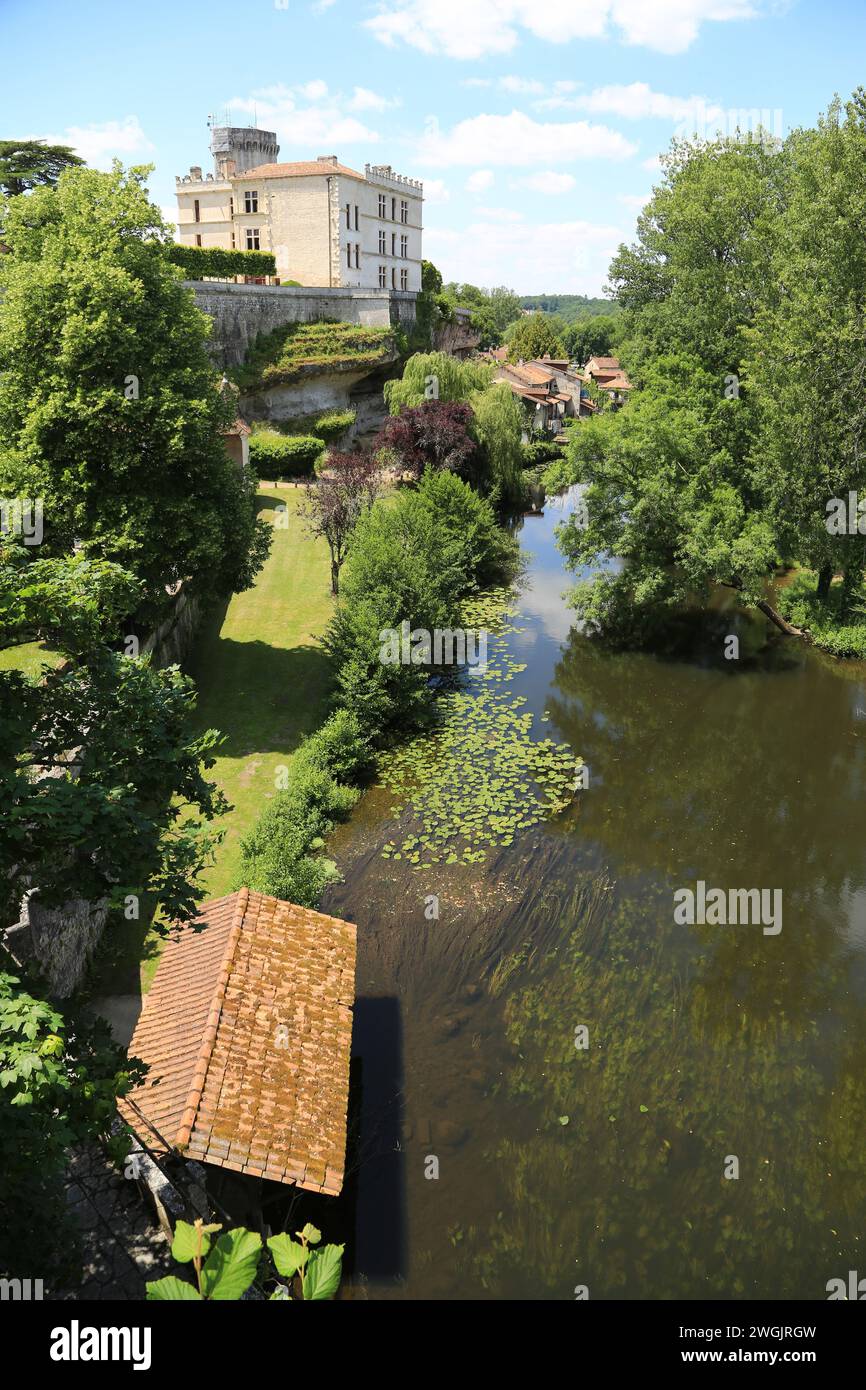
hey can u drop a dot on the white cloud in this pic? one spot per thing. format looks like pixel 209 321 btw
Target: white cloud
pixel 549 182
pixel 466 29
pixel 479 181
pixel 308 119
pixel 634 201
pixel 574 256
pixel 98 144
pixel 634 102
pixel 654 163
pixel 517 139
pixel 521 84
pixel 363 99
pixel 499 214
pixel 435 191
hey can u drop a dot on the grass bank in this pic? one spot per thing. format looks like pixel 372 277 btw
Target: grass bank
pixel 262 677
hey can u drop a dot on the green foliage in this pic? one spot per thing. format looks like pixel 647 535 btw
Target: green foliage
pixel 591 337
pixel 455 380
pixel 333 424
pixel 26 164
pixel 540 451
pixel 498 427
pixel 59 1083
pixel 275 455
pixel 492 310
pixel 214 263
pixel 837 623
pixel 415 559
pixel 290 352
pixel 110 408
pixel 281 856
pixel 534 337
pixel 226 1268
pixel 320 1268
pixel 571 308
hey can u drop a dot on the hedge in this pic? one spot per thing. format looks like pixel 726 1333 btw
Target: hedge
pixel 284 455
pixel 199 261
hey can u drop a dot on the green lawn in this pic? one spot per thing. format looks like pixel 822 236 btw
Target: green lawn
pixel 28 657
pixel 262 678
pixel 262 681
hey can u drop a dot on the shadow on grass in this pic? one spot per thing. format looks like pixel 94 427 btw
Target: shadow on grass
pixel 262 699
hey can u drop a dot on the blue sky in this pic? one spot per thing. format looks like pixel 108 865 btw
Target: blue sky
pixel 535 124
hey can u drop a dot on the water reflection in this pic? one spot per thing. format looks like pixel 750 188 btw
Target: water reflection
pixel 607 1167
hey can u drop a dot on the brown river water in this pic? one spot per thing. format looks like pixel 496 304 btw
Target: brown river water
pixel 705 1136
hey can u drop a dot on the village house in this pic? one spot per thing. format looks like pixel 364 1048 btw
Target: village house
pixel 326 224
pixel 547 388
pixel 608 376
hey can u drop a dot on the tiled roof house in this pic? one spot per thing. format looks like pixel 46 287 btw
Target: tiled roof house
pixel 247 1030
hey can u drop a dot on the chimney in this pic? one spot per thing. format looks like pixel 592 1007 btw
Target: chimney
pixel 326 159
pixel 195 171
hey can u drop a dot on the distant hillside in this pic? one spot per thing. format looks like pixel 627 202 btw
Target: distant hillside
pixel 570 307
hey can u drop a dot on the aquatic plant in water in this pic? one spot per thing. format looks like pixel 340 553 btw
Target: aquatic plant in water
pixel 479 777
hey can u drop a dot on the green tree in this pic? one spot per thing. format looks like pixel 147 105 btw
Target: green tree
pixel 59 1083
pixel 805 354
pixel 591 337
pixel 133 819
pixel 533 336
pixel 110 409
pixel 670 488
pixel 26 164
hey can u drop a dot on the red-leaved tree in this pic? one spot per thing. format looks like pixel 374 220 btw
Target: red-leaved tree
pixel 347 484
pixel 435 434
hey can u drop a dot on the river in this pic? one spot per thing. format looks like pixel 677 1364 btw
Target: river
pixel 563 1091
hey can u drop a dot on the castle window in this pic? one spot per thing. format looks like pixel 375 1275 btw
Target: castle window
pixel 381 204
pixel 252 238
pixel 349 254
pixel 383 249
pixel 383 278
pixel 198 238
pixel 356 217
pixel 357 255
pixel 393 209
pixel 404 210
pixel 234 242
pixel 404 279
pixel 404 246
pixel 393 243
pixel 348 218
pixel 231 206
pixel 251 201
pixel 196 211
pixel 393 279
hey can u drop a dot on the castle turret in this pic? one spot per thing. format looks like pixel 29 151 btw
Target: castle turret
pixel 236 149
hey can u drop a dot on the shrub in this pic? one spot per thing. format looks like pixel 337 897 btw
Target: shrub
pixel 281 855
pixel 829 630
pixel 333 424
pixel 415 558
pixel 284 456
pixel 200 261
pixel 540 451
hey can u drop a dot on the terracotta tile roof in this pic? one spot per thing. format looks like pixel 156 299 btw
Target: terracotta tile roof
pixel 528 374
pixel 603 364
pixel 300 170
pixel 248 1031
pixel 616 383
pixel 238 426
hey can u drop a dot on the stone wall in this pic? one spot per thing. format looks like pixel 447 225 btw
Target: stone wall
pixel 241 312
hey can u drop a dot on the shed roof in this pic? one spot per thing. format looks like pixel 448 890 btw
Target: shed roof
pixel 247 1029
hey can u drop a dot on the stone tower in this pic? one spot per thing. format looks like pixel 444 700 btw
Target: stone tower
pixel 236 149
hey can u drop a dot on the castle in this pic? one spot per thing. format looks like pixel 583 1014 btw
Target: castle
pixel 327 224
